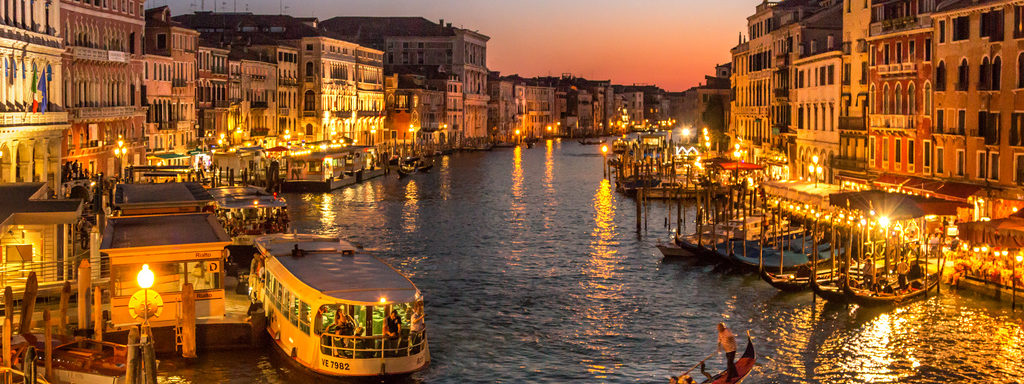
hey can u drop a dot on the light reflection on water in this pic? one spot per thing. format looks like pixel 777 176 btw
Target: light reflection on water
pixel 532 273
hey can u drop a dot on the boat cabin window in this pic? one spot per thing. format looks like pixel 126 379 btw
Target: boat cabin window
pixel 360 337
pixel 169 277
pixel 297 311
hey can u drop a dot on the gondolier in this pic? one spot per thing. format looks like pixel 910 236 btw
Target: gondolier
pixel 727 344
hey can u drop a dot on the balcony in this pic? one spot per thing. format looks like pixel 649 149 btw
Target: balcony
pixel 308 113
pixel 283 111
pixel 37 119
pixel 259 132
pixel 95 113
pixel 900 24
pixel 896 69
pixel 781 92
pixel 99 55
pixel 258 105
pixel 893 122
pixel 849 164
pixel 221 103
pixel 852 123
pixel 287 82
pixel 175 125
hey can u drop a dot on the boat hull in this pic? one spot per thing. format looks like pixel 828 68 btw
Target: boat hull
pixel 866 298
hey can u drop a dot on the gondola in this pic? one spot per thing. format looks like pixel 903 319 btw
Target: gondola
pixel 404 171
pixel 744 365
pixel 590 142
pixel 792 261
pixel 788 282
pixel 868 298
pixel 425 168
pixel 832 292
pixel 675 251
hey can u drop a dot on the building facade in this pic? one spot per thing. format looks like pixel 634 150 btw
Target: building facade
pixel 34 120
pixel 815 99
pixel 102 79
pixel 171 55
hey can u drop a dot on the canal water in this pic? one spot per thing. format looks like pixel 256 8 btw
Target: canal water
pixel 533 273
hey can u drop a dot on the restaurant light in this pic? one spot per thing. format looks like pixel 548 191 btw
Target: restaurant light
pixel 145 277
pixel 883 221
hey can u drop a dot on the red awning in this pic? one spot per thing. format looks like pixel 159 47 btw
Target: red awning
pixel 957 191
pixel 1003 233
pixel 277 149
pixel 891 180
pixel 740 166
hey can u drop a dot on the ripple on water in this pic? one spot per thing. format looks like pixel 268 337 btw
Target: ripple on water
pixel 532 273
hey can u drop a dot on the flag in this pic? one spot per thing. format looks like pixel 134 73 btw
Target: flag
pixel 33 89
pixel 39 89
pixel 45 79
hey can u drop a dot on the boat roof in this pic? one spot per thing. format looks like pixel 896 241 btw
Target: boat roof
pixel 245 197
pixel 160 194
pixel 157 230
pixel 335 268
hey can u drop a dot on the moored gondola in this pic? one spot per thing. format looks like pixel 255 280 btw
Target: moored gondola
pixel 917 288
pixel 788 282
pixel 832 291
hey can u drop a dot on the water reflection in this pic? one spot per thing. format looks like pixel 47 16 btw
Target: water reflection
pixel 446 178
pixel 518 190
pixel 410 212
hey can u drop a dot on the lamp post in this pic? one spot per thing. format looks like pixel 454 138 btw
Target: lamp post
pixel 145 279
pixel 815 169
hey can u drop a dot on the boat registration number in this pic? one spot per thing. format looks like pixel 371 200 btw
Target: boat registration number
pixel 330 364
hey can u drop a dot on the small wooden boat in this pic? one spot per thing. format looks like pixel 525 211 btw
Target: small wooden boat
pixel 404 171
pixel 831 291
pixel 917 288
pixel 425 168
pixel 504 145
pixel 77 361
pixel 744 365
pixel 590 142
pixel 788 282
pixel 672 251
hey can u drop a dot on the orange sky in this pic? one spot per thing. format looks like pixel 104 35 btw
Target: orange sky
pixel 669 43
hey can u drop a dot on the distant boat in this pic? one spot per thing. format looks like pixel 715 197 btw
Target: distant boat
pixel 590 142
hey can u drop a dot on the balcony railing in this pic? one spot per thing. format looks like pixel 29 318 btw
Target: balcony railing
pixel 893 122
pixel 27 118
pixel 900 24
pixel 283 111
pixel 100 55
pixel 100 113
pixel 896 69
pixel 287 81
pixel 852 123
pixel 258 104
pixel 221 103
pixel 849 164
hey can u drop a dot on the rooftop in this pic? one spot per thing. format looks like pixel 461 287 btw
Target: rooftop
pixel 167 193
pixel 150 231
pixel 245 197
pixel 27 203
pixel 358 277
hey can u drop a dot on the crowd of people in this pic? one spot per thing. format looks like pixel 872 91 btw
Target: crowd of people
pixel 73 170
pixel 272 221
pixel 992 267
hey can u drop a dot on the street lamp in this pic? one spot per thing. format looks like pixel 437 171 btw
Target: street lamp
pixel 814 167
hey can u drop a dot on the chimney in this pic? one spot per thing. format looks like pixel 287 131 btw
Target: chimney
pixel 440 22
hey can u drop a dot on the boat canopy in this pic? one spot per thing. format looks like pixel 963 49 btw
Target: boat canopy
pixel 897 206
pixel 333 268
pixel 245 197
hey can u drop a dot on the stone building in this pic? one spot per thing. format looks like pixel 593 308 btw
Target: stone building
pixel 33 123
pixel 171 91
pixel 102 79
pixel 815 99
pixel 418 41
pixel 212 92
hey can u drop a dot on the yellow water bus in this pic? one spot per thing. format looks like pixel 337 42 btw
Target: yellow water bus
pixel 327 305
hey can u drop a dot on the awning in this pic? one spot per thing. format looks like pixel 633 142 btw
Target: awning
pixel 807 193
pixel 168 156
pixel 896 206
pixel 1002 233
pixel 740 166
pixel 277 149
pixel 891 180
pixel 957 191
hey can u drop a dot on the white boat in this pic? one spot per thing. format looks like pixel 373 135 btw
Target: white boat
pixel 306 282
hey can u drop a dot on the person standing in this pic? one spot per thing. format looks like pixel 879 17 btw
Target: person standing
pixel 727 344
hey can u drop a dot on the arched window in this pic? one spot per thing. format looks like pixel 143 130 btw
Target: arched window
pixel 911 100
pixel 997 73
pixel 309 101
pixel 309 68
pixel 886 107
pixel 898 100
pixel 927 99
pixel 963 76
pixel 871 99
pixel 984 75
pixel 1020 70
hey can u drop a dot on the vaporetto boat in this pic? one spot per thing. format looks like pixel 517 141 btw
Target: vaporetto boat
pixel 327 305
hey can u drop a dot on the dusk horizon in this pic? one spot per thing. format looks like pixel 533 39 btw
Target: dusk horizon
pixel 652 48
